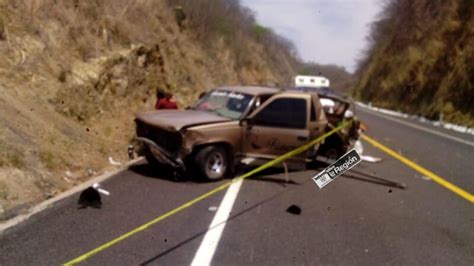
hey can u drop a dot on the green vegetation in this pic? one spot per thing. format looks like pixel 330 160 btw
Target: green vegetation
pixel 3 190
pixel 421 60
pixel 47 159
pixel 213 20
pixel 12 159
pixel 259 31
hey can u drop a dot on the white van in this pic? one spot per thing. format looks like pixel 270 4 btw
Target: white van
pixel 311 81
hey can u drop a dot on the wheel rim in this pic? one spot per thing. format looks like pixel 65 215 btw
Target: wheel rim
pixel 215 165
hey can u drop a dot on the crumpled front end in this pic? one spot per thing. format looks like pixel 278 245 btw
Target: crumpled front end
pixel 164 145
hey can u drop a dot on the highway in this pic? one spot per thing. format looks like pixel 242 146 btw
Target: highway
pixel 376 214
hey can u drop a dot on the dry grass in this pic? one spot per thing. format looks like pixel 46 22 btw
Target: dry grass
pixel 74 72
pixel 422 44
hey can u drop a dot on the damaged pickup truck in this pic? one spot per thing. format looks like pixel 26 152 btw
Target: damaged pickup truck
pixel 231 126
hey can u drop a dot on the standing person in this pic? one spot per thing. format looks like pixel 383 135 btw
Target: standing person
pixel 160 94
pixel 166 102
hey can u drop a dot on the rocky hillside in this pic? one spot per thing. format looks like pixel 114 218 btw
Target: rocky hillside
pixel 421 60
pixel 73 72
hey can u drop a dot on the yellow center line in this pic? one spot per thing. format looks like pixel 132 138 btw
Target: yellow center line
pixel 441 181
pixel 188 204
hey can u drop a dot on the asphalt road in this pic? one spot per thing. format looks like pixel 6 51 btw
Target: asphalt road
pixel 362 218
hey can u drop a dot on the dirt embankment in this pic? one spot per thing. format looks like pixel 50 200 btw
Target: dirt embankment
pixel 72 74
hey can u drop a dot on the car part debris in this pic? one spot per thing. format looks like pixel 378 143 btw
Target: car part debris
pixel 90 197
pixel 359 147
pixel 370 159
pixel 113 162
pixel 360 150
pixel 294 209
pixel 91 172
pixel 287 176
pixel 96 186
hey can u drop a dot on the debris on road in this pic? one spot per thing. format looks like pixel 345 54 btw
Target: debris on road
pixel 91 172
pixel 89 198
pixel 113 162
pixel 96 186
pixel 69 177
pixel 294 209
pixel 212 208
pixel 360 150
pixel 359 147
pixel 370 159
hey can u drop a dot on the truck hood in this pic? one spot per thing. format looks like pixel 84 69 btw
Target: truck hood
pixel 178 119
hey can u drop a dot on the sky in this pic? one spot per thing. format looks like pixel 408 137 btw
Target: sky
pixel 323 31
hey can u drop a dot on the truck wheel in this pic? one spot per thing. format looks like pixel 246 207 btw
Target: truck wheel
pixel 212 162
pixel 152 161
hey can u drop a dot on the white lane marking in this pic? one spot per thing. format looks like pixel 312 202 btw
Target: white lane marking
pixel 211 239
pixel 422 128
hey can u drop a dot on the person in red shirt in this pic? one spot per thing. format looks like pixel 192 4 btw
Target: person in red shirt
pixel 166 102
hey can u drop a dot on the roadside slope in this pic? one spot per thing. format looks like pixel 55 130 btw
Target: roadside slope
pixel 73 73
pixel 421 61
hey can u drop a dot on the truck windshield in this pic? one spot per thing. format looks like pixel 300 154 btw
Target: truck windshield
pixel 225 103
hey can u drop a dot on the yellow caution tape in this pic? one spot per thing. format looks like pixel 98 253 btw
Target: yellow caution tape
pixel 206 195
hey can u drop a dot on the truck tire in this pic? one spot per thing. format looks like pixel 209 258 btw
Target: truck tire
pixel 212 162
pixel 152 161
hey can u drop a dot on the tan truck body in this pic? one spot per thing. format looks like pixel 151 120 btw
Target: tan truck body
pixel 177 137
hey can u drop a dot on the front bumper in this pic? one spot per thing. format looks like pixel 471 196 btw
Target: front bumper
pixel 144 146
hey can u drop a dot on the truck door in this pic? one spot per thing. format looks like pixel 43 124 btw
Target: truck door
pixel 279 126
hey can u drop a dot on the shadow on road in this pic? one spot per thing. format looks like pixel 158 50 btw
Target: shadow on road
pixel 160 172
pixel 167 173
pixel 364 177
pixel 360 176
pixel 269 175
pixel 278 181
